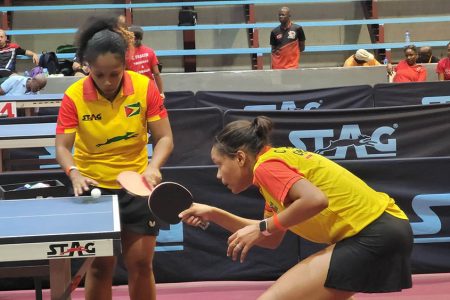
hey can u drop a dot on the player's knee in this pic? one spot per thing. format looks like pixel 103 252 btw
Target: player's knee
pixel 102 267
pixel 140 266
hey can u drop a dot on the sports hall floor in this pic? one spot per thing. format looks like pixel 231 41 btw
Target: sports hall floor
pixel 425 287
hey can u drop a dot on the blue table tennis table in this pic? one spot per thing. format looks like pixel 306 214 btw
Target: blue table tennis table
pixel 58 230
pixel 26 136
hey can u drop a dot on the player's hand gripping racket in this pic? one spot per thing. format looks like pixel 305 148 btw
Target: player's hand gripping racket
pixel 165 201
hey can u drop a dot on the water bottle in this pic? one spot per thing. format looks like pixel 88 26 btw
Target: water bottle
pixel 45 71
pixel 407 37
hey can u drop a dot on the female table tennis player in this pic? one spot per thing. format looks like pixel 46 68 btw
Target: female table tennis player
pixel 105 118
pixel 369 236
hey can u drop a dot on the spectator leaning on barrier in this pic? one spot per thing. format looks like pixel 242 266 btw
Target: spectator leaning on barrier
pixel 407 70
pixel 361 58
pixel 443 66
pixel 287 41
pixel 80 69
pixel 426 56
pixel 21 85
pixel 9 52
pixel 143 60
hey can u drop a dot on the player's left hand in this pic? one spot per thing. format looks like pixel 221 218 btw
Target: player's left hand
pixel 240 242
pixel 153 176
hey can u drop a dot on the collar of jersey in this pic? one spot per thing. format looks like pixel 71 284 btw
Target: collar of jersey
pixel 90 91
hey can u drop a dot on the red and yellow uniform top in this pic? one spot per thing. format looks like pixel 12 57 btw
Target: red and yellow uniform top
pixel 111 136
pixel 352 204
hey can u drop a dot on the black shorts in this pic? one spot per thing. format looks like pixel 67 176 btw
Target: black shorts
pixel 376 260
pixel 135 215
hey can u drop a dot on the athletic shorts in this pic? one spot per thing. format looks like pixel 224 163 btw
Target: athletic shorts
pixel 135 215
pixel 376 260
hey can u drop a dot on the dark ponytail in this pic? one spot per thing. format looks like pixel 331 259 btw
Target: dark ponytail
pixel 100 35
pixel 244 135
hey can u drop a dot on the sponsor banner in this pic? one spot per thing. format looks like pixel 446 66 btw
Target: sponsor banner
pixel 51 250
pixel 193 133
pixel 411 93
pixel 407 131
pixel 331 98
pixel 182 99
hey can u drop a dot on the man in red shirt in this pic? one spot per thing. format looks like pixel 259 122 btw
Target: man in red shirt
pixel 287 41
pixel 143 60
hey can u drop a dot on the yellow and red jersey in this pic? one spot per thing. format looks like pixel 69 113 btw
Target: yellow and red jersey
pixel 352 204
pixel 111 136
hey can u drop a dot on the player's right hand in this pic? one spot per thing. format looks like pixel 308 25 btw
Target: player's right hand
pixel 196 215
pixel 80 183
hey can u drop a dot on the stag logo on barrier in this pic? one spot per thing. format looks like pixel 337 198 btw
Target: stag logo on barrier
pixel 431 223
pixel 285 105
pixel 335 144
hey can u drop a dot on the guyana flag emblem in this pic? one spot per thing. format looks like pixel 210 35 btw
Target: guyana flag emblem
pixel 133 109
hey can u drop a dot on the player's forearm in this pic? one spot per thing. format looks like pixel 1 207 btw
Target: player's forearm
pixel 30 53
pixel 161 152
pixel 229 221
pixel 63 146
pixel 64 157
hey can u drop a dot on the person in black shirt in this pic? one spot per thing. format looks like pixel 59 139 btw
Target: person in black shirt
pixel 287 41
pixel 8 55
pixel 426 56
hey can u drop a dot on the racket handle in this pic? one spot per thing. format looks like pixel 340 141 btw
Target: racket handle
pixel 204 225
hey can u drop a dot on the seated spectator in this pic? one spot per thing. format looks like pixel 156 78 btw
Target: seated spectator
pixel 22 85
pixel 8 55
pixel 426 56
pixel 143 60
pixel 443 66
pixel 361 58
pixel 407 70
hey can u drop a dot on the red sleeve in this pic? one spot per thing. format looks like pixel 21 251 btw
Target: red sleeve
pixel 155 107
pixel 277 178
pixel 67 116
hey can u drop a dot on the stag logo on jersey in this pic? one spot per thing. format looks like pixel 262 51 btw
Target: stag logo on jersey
pixel 133 109
pixel 92 117
pixel 336 144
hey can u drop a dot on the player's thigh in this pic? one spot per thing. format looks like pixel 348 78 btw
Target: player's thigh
pixel 137 248
pixel 305 281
